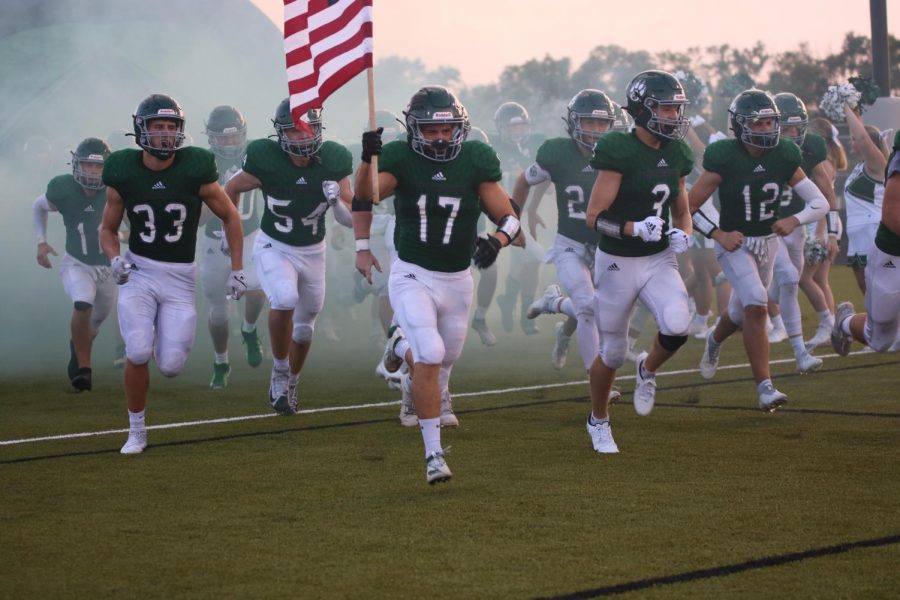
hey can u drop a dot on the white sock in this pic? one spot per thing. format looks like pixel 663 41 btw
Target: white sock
pixel 221 358
pixel 825 317
pixel 703 319
pixel 248 327
pixel 431 435
pixel 778 322
pixel 136 420
pixel 595 421
pixel 401 347
pixel 281 364
pixel 763 385
pixel 481 313
pixel 293 378
pixel 845 326
pixel 798 346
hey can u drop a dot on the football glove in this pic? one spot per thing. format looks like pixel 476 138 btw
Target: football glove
pixel 486 251
pixel 650 229
pixel 371 144
pixel 236 286
pixel 332 192
pixel 120 269
pixel 679 241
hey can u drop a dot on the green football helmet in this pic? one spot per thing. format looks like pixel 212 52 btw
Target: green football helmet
pixel 646 93
pixel 623 121
pixel 226 129
pixel 793 115
pixel 512 123
pixel 589 104
pixel 307 146
pixel 151 108
pixel 90 150
pixel 436 105
pixel 749 107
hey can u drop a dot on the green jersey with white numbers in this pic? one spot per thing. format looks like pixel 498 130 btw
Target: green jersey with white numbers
pixel 886 240
pixel 437 203
pixel 295 207
pixel 163 207
pixel 81 215
pixel 572 175
pixel 248 204
pixel 751 188
pixel 813 151
pixel 651 179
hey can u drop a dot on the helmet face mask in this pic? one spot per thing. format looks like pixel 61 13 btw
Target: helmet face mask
pixel 750 109
pixel 294 141
pixel 437 124
pixel 623 122
pixel 651 95
pixel 226 130
pixel 794 117
pixel 513 123
pixel 159 126
pixel 589 106
pixel 87 163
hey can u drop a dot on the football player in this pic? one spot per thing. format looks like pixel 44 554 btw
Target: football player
pixel 879 326
pixel 80 199
pixel 751 172
pixel 441 183
pixel 226 130
pixel 565 161
pixel 301 177
pixel 161 188
pixel 640 183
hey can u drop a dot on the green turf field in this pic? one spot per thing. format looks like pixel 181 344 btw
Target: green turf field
pixel 708 498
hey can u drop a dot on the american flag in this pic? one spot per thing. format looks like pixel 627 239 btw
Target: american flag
pixel 326 43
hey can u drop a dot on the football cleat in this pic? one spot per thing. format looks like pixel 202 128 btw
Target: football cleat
pixel 391 360
pixel 436 469
pixel 393 379
pixel 408 416
pixel 546 304
pixel 777 335
pixel 278 393
pixel 137 441
pixel 840 341
pixel 448 419
pixel 822 336
pixel 601 437
pixel 220 376
pixel 770 398
pixel 560 347
pixel 252 348
pixel 644 387
pixel 293 402
pixel 82 380
pixel 487 336
pixel 807 363
pixel 709 362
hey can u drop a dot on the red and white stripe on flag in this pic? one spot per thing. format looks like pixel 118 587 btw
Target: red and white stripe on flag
pixel 326 44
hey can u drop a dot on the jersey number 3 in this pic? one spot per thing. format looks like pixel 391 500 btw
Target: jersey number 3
pixel 179 215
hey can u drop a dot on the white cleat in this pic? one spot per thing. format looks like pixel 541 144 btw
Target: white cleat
pixel 615 394
pixel 484 332
pixel 448 419
pixel 436 469
pixel 546 304
pixel 408 417
pixel 392 361
pixel 137 441
pixel 770 399
pixel 709 362
pixel 822 336
pixel 807 363
pixel 293 402
pixel 840 341
pixel 278 392
pixel 393 379
pixel 601 437
pixel 777 335
pixel 698 326
pixel 644 387
pixel 560 347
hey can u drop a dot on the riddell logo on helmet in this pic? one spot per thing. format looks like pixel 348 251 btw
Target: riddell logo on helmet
pixel 165 111
pixel 599 113
pixel 95 157
pixel 679 97
pixel 442 115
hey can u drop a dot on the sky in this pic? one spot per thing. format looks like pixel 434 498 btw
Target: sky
pixel 481 37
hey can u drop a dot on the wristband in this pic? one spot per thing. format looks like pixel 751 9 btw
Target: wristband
pixel 362 244
pixel 357 205
pixel 609 225
pixel 832 221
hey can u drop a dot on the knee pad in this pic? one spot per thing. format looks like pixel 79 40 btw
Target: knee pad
pixel 431 352
pixel 139 348
pixel 676 319
pixel 218 314
pixel 786 276
pixel 302 332
pixel 671 342
pixel 284 297
pixel 613 353
pixel 171 362
pixel 83 306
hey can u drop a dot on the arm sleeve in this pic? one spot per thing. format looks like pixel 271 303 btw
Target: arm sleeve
pixel 39 211
pixel 816 206
pixel 536 174
pixel 342 214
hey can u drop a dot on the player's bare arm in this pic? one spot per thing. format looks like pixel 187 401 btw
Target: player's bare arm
pixel 681 215
pixel 701 191
pixel 225 208
pixel 241 182
pixel 604 192
pixel 112 219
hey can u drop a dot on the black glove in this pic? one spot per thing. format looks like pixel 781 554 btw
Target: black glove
pixel 371 144
pixel 486 250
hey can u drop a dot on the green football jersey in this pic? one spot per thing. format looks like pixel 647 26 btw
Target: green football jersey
pixel 437 203
pixel 886 240
pixel 248 204
pixel 751 188
pixel 515 158
pixel 651 181
pixel 81 216
pixel 572 175
pixel 163 207
pixel 813 151
pixel 295 207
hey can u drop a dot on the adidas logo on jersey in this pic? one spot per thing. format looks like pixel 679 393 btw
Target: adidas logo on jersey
pixel 410 276
pixel 89 208
pixel 662 163
pixel 269 245
pixel 588 169
pixel 159 185
pixel 301 181
pixel 613 267
pixel 439 176
pixel 890 265
pixel 759 169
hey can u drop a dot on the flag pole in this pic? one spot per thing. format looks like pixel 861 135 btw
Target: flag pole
pixel 370 81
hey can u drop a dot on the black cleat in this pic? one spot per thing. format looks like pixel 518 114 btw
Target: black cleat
pixel 82 379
